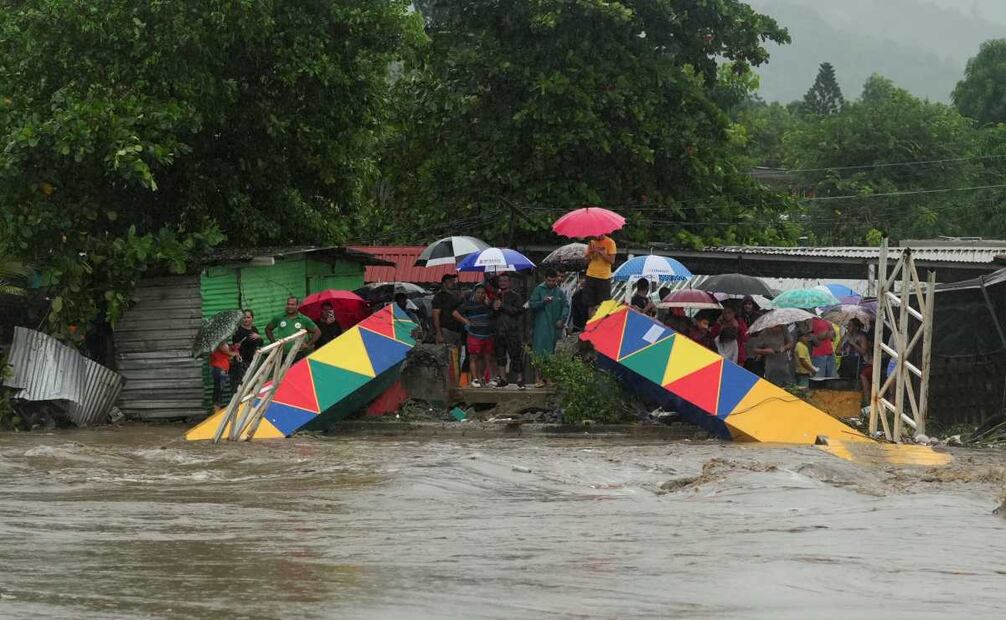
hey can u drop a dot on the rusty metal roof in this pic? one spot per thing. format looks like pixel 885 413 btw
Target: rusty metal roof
pixel 46 370
pixel 403 258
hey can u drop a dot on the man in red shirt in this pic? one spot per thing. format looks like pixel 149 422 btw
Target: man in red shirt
pixel 823 353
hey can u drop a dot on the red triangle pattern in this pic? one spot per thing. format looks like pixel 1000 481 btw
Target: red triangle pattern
pixel 606 334
pixel 297 388
pixel 381 322
pixel 701 388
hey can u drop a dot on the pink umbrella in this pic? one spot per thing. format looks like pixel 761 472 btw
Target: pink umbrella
pixel 588 222
pixel 690 298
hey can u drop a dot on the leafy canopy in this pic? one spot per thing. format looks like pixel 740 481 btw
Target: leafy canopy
pixel 539 107
pixel 891 142
pixel 981 95
pixel 137 133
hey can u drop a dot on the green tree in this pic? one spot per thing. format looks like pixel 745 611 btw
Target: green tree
pixel 13 277
pixel 825 96
pixel 981 95
pixel 888 142
pixel 134 133
pixel 544 106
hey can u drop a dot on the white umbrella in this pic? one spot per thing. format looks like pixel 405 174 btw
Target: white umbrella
pixel 782 316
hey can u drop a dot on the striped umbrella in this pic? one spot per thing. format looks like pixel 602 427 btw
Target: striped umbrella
pixel 495 260
pixel 805 298
pixel 652 267
pixel 448 250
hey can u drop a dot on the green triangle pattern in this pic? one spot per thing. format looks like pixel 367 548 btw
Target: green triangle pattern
pixel 651 362
pixel 403 331
pixel 333 384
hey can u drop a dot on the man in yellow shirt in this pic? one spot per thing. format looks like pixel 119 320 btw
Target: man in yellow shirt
pixel 600 257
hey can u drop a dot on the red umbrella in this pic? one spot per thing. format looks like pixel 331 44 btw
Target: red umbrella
pixel 588 222
pixel 690 298
pixel 349 307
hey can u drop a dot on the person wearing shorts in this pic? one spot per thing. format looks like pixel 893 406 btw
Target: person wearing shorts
pixel 478 318
pixel 600 257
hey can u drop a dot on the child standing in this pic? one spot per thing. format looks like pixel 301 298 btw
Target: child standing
pixel 805 368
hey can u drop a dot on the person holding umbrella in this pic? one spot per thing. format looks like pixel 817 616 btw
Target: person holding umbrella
pixel 289 323
pixel 600 255
pixel 774 345
pixel 247 340
pixel 329 325
pixel 508 306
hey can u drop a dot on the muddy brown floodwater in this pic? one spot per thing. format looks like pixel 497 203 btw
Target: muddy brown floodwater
pixel 132 522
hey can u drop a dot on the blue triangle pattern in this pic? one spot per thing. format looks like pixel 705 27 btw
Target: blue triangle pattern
pixel 287 419
pixel 384 352
pixel 636 327
pixel 734 386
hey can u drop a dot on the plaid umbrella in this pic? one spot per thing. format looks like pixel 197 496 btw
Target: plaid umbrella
pixel 216 330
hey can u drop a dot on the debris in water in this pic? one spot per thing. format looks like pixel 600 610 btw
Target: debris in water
pixel 523 470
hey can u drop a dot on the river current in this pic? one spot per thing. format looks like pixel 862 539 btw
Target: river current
pixel 135 523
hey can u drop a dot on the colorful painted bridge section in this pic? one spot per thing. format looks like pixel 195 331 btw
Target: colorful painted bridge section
pixel 335 380
pixel 705 388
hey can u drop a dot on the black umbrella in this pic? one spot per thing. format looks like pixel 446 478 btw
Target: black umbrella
pixel 736 284
pixel 569 257
pixel 449 250
pixel 384 292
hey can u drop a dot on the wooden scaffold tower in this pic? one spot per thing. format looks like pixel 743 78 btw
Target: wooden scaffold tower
pixel 905 319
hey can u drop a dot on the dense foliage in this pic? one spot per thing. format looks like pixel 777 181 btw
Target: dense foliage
pixel 982 93
pixel 539 107
pixel 138 133
pixel 585 393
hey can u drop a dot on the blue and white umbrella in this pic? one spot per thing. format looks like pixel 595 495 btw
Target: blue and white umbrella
pixel 495 260
pixel 652 268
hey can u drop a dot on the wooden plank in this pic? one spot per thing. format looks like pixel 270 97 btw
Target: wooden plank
pixel 161 354
pixel 178 372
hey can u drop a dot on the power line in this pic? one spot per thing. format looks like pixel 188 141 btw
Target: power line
pixel 891 164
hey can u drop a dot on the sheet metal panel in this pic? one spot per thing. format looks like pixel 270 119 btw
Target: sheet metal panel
pixel 45 370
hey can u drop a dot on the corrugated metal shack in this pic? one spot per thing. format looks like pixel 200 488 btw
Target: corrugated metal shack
pixel 44 370
pixel 154 338
pixel 968 378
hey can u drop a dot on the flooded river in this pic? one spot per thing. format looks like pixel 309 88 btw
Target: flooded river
pixel 132 522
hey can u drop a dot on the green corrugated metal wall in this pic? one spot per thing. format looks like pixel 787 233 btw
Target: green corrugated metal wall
pixel 343 275
pixel 265 289
pixel 219 289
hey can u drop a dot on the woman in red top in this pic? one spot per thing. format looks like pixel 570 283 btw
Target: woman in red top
pixel 220 366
